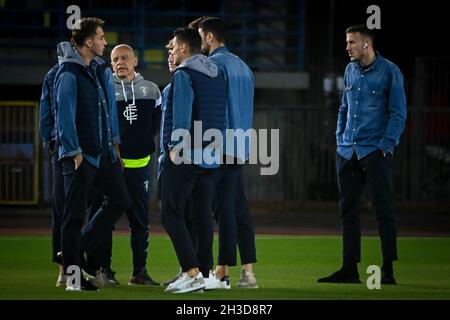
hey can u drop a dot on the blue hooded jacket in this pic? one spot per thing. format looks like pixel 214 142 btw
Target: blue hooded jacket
pixel 86 109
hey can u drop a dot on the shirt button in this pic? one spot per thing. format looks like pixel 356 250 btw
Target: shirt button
pixel 359 89
pixel 354 142
pixel 373 91
pixel 354 129
pixel 109 143
pixel 356 102
pixel 354 115
pixel 362 76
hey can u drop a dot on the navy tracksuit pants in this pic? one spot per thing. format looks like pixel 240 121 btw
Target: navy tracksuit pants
pixel 77 184
pixel 138 185
pixel 57 207
pixel 179 185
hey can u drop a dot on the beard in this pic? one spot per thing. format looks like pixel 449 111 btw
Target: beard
pixel 205 50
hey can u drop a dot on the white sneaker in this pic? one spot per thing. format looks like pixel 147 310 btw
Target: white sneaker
pixel 224 283
pixel 62 279
pixel 186 284
pixel 211 283
pixel 247 280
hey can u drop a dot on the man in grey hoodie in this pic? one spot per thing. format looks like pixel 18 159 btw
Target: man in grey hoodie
pixel 196 93
pixel 139 113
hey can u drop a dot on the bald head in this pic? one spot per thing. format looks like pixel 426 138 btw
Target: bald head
pixel 123 47
pixel 123 61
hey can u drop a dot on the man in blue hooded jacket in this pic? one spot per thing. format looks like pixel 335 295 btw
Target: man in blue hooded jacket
pixel 196 95
pixel 235 225
pixel 88 133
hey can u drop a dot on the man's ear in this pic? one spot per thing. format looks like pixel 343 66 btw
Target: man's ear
pixel 88 43
pixel 136 61
pixel 209 36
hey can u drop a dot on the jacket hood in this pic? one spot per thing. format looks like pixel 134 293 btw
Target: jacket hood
pixel 67 53
pixel 202 64
pixel 128 84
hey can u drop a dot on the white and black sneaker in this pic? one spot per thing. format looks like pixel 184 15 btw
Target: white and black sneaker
pixel 224 283
pixel 96 279
pixel 211 283
pixel 186 284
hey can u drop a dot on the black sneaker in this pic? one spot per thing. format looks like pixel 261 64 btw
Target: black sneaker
pixel 142 278
pixel 342 276
pixel 109 277
pixel 388 278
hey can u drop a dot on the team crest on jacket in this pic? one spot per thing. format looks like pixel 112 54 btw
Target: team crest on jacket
pixel 130 113
pixel 144 91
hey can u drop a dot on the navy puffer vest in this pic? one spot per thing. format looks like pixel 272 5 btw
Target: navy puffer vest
pixel 210 99
pixel 88 106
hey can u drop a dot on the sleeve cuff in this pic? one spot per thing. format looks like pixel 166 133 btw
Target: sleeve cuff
pixel 384 147
pixel 73 153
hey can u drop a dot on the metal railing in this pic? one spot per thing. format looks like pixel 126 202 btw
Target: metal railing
pixel 307 156
pixel 19 152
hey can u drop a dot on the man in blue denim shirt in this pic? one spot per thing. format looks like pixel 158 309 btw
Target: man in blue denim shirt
pixel 370 121
pixel 87 124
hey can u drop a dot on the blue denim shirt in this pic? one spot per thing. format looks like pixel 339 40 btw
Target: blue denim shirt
pixel 373 111
pixel 66 97
pixel 240 91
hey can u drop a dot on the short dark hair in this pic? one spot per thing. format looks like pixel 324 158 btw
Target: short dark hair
pixel 216 26
pixel 194 24
pixel 362 28
pixel 85 28
pixel 190 37
pixel 169 44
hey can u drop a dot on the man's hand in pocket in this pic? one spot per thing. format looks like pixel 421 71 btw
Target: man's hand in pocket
pixel 78 159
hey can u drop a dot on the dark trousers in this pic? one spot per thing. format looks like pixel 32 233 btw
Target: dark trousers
pixel 101 257
pixel 77 184
pixel 57 207
pixel 235 225
pixel 138 185
pixel 180 184
pixel 376 170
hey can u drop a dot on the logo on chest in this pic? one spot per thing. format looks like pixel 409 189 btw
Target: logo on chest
pixel 130 113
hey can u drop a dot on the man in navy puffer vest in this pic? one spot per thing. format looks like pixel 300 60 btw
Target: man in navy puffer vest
pixel 88 132
pixel 196 93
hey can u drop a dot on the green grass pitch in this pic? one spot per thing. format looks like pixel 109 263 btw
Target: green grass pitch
pixel 287 268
